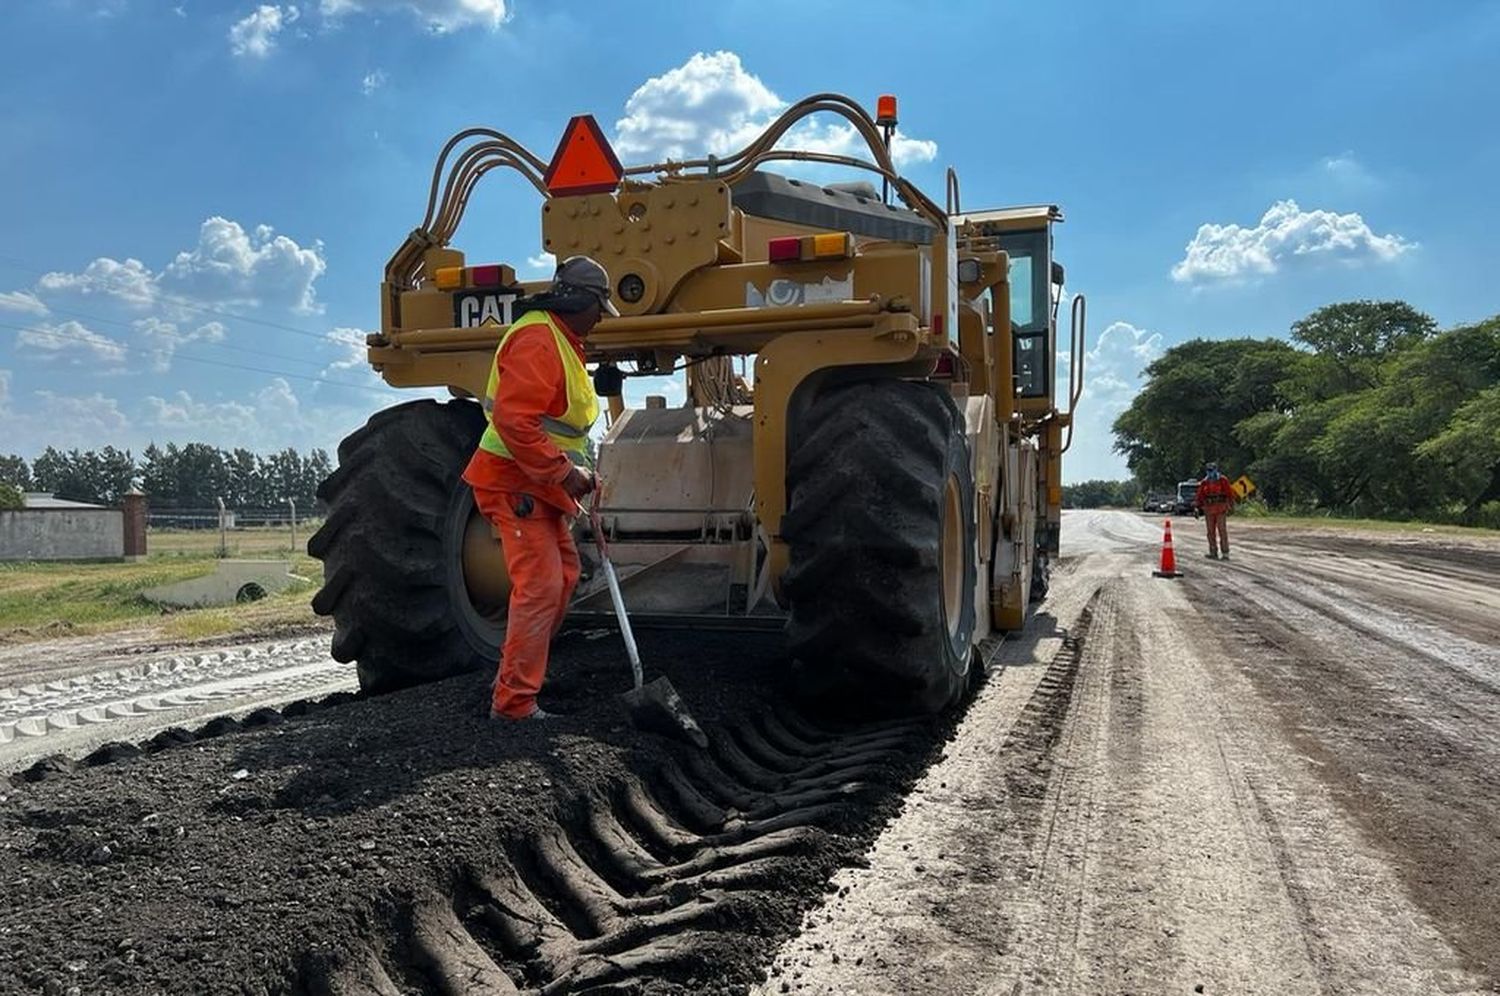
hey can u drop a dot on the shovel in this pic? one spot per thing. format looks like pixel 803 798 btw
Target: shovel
pixel 655 707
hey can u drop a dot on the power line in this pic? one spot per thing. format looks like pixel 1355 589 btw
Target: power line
pixel 180 301
pixel 197 359
pixel 179 337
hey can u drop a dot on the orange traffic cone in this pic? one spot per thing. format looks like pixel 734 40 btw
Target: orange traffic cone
pixel 1168 558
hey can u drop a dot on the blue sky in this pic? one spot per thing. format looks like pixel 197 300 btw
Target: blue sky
pixel 191 189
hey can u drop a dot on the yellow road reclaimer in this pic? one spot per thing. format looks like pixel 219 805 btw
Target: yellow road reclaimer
pixel 884 482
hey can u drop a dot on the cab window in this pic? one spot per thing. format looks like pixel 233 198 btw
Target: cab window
pixel 1029 310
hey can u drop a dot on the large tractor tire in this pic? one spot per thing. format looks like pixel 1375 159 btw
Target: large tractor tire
pixel 400 520
pixel 880 522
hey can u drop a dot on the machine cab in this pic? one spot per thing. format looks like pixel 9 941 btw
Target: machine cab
pixel 1025 235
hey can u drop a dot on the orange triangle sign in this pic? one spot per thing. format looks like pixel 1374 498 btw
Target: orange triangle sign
pixel 584 163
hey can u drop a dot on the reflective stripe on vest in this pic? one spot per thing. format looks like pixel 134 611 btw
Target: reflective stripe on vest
pixel 570 431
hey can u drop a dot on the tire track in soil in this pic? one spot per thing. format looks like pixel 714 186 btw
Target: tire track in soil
pixel 930 863
pixel 1402 734
pixel 1061 852
pixel 653 879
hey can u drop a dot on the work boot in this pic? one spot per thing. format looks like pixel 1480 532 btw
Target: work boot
pixel 1224 555
pixel 1211 555
pixel 537 713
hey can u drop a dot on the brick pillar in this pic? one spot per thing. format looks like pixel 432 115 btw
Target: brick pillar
pixel 135 525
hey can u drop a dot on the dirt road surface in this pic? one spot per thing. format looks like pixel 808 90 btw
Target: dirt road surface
pixel 1279 774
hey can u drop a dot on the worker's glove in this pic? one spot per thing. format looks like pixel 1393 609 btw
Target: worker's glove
pixel 579 482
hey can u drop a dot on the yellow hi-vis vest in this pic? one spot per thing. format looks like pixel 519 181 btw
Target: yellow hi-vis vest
pixel 570 431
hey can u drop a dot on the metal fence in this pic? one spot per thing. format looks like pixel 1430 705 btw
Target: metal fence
pixel 244 517
pixel 228 522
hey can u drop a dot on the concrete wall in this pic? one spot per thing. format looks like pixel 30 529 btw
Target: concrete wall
pixel 62 534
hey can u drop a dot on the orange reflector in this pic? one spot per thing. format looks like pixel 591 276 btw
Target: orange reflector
pixel 449 277
pixel 830 245
pixel 584 163
pixel 885 109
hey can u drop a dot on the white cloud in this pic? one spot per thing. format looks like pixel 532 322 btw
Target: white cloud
pixel 374 80
pixel 71 341
pixel 67 421
pixel 162 338
pixel 438 16
pixel 711 104
pixel 351 343
pixel 1348 174
pixel 1285 234
pixel 230 265
pixel 543 264
pixel 130 282
pixel 268 418
pixel 25 302
pixel 1112 378
pixel 254 36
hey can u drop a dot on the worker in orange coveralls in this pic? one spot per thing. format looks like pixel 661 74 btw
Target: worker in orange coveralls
pixel 1214 499
pixel 533 466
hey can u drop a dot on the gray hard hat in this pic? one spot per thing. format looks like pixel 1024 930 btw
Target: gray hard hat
pixel 583 273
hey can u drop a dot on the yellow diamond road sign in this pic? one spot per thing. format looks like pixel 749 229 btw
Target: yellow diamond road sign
pixel 1244 487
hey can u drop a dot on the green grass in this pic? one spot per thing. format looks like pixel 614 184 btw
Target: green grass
pixel 1370 525
pixel 45 600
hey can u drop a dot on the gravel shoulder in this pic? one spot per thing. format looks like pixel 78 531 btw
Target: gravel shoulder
pixel 1261 779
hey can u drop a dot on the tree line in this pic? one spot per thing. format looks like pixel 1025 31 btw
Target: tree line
pixel 1369 410
pixel 194 475
pixel 1102 494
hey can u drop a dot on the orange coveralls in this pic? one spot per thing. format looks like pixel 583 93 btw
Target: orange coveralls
pixel 524 500
pixel 1216 498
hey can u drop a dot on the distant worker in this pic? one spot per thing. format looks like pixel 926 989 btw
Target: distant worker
pixel 532 467
pixel 1214 499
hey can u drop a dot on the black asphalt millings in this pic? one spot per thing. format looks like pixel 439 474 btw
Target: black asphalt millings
pixel 343 844
pixel 672 879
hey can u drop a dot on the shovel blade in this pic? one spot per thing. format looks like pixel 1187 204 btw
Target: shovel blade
pixel 657 707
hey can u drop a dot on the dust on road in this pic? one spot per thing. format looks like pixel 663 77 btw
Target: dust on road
pixel 1280 774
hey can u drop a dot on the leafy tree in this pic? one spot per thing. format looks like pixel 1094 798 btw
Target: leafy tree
pixel 1350 340
pixel 1102 494
pixel 11 497
pixel 201 476
pixel 242 471
pixel 15 472
pixel 67 475
pixel 158 476
pixel 1196 395
pixel 1379 415
pixel 1468 448
pixel 114 472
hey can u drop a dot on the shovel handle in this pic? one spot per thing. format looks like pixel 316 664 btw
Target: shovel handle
pixel 624 620
pixel 615 595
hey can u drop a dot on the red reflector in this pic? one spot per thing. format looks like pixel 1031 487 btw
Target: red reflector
pixel 485 276
pixel 784 250
pixel 937 325
pixel 583 163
